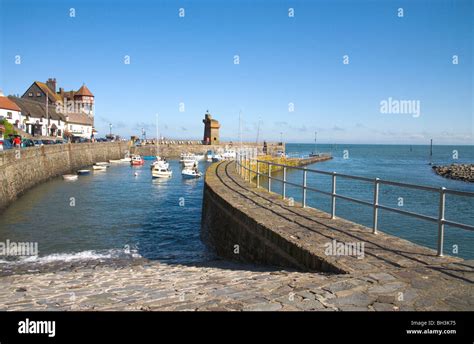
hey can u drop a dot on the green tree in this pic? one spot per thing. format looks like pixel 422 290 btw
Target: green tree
pixel 9 129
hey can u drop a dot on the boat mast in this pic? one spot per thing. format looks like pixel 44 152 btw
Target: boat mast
pixel 431 151
pixel 315 142
pixel 157 137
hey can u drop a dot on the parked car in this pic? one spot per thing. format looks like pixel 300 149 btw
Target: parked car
pixel 27 143
pixel 5 144
pixel 48 142
pixel 38 143
pixel 59 142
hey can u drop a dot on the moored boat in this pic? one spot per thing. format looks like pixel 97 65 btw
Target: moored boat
pixel 99 168
pixel 70 176
pixel 136 160
pixel 82 172
pixel 161 170
pixel 191 173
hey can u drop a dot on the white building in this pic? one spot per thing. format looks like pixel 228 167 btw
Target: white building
pixel 10 111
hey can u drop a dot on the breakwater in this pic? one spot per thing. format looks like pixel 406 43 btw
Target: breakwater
pixel 173 151
pixel 464 172
pixel 21 169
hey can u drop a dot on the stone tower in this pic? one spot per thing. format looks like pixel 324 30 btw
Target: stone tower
pixel 211 130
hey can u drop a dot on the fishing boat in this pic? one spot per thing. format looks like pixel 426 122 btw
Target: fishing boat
pixel 82 172
pixel 137 160
pixel 191 173
pixel 70 177
pixel 229 154
pixel 99 168
pixel 161 170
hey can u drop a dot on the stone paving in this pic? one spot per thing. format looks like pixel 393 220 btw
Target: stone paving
pixel 394 276
pixel 219 285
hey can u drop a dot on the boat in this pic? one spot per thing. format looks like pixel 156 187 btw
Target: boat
pixel 229 154
pixel 137 160
pixel 82 172
pixel 70 176
pixel 99 168
pixel 103 163
pixel 115 161
pixel 315 152
pixel 209 155
pixel 216 158
pixel 126 159
pixel 188 159
pixel 161 170
pixel 159 161
pixel 191 173
pixel 199 157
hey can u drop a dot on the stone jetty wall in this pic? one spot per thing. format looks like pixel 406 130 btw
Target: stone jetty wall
pixel 464 172
pixel 21 169
pixel 173 151
pixel 234 233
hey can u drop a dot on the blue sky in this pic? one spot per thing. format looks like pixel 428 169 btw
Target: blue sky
pixel 283 60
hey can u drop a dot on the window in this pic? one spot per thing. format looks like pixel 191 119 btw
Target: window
pixel 9 115
pixel 38 94
pixel 30 94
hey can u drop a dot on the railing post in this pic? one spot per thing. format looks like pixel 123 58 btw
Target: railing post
pixel 304 187
pixel 442 202
pixel 258 174
pixel 333 197
pixel 269 177
pixel 284 182
pixel 376 205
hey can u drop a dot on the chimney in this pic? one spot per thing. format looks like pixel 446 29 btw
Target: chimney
pixel 51 83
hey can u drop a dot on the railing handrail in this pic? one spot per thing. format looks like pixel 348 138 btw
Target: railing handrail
pixel 246 170
pixel 371 180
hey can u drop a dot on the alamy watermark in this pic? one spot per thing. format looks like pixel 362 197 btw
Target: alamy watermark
pixel 12 248
pixel 400 106
pixel 335 248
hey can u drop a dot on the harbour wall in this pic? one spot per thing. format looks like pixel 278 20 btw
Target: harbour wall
pixel 21 169
pixel 173 151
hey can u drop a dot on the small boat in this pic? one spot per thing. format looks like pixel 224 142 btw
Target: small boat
pixel 161 162
pixel 161 170
pixel 191 173
pixel 126 160
pixel 99 168
pixel 115 161
pixel 148 157
pixel 103 163
pixel 209 155
pixel 137 160
pixel 199 157
pixel 229 154
pixel 82 172
pixel 187 158
pixel 70 176
pixel 216 158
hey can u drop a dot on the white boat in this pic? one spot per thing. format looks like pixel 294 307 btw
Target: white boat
pixel 70 176
pixel 102 163
pixel 137 160
pixel 99 168
pixel 191 173
pixel 188 158
pixel 161 171
pixel 159 162
pixel 199 157
pixel 126 159
pixel 116 161
pixel 216 158
pixel 229 154
pixel 82 172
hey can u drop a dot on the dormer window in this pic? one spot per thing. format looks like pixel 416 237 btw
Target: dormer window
pixel 38 94
pixel 30 94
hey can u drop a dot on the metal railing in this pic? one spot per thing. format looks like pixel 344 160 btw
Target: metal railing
pixel 244 168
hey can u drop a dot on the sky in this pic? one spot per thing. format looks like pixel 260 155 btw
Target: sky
pixel 291 79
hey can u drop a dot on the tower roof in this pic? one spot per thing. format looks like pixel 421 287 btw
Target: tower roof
pixel 84 91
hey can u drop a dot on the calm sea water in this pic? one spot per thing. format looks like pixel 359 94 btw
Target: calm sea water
pixel 407 164
pixel 117 214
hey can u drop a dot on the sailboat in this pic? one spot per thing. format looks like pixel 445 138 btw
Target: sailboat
pixel 160 168
pixel 431 152
pixel 315 152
